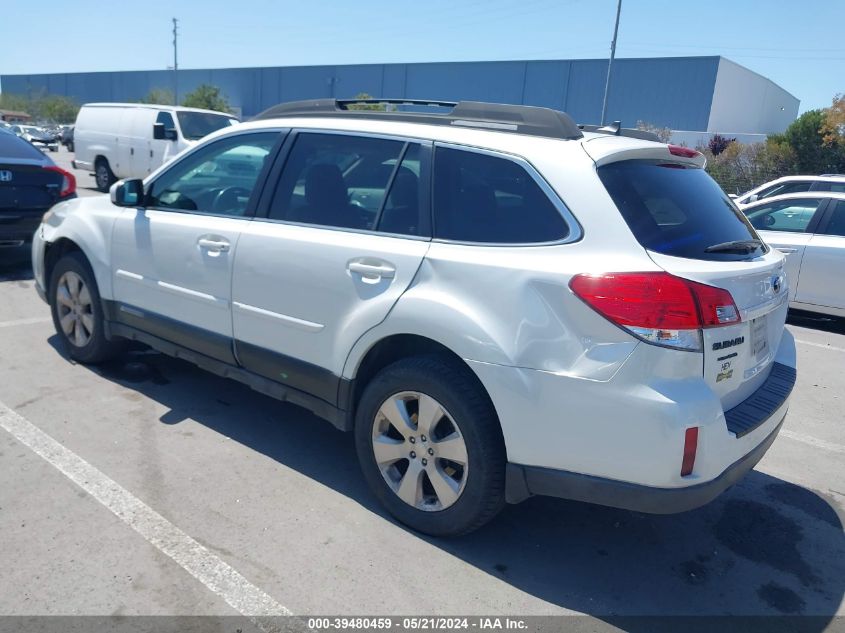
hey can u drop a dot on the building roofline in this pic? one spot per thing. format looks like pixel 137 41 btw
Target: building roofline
pixel 452 62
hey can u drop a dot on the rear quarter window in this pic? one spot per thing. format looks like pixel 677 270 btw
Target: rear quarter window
pixel 675 209
pixel 489 199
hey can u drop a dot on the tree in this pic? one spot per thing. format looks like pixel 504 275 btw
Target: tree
pixel 18 103
pixel 207 97
pixel 160 96
pixel 833 126
pixel 363 96
pixel 57 109
pixel 740 167
pixel 812 154
pixel 664 134
pixel 719 144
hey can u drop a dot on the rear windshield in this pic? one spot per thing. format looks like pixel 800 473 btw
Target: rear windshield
pixel 676 210
pixel 12 147
pixel 195 125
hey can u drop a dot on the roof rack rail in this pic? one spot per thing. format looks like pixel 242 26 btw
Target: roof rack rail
pixel 616 129
pixel 500 117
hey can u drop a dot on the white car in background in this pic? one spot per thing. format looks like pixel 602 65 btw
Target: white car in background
pixel 131 140
pixel 793 184
pixel 496 303
pixel 809 228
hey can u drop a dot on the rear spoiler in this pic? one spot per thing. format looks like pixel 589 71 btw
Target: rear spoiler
pixel 616 129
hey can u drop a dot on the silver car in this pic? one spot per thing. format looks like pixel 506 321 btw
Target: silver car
pixel 809 228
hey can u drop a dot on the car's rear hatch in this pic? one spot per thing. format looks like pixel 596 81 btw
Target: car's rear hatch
pixel 691 229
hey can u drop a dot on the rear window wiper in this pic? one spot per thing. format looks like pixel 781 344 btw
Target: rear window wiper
pixel 737 246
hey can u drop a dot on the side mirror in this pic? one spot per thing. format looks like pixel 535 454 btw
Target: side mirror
pixel 127 193
pixel 160 133
pixel 753 198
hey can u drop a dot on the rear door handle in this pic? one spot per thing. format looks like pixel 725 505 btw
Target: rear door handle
pixel 385 271
pixel 216 246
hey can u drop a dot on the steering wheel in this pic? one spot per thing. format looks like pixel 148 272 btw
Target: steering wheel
pixel 227 200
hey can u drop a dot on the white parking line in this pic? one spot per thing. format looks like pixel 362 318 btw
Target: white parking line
pixel 813 441
pixel 821 345
pixel 29 321
pixel 198 561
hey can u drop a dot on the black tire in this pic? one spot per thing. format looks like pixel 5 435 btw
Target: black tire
pixel 456 389
pixel 103 175
pixel 97 348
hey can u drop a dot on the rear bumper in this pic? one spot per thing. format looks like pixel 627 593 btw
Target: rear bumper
pixel 525 481
pixel 17 227
pixel 620 442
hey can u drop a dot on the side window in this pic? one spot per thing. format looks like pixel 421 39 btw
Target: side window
pixel 836 224
pixel 490 199
pixel 838 187
pixel 787 187
pixel 788 215
pixel 216 179
pixel 167 119
pixel 335 180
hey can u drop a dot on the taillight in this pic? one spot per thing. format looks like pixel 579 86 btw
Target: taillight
pixel 656 306
pixel 68 181
pixel 686 152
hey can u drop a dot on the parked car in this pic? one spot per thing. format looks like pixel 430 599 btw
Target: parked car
pixel 36 136
pixel 131 140
pixel 30 183
pixel 494 302
pixel 67 137
pixel 809 228
pixel 793 184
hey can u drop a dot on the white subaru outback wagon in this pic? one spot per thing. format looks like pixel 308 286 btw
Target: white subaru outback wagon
pixel 496 302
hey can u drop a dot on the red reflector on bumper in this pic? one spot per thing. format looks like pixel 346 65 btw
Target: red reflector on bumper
pixel 690 448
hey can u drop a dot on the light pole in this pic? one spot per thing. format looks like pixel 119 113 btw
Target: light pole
pixel 610 62
pixel 176 64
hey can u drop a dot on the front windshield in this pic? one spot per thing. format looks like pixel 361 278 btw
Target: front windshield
pixel 195 125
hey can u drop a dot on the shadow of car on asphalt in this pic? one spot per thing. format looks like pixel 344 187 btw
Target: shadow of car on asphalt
pixel 816 321
pixel 765 547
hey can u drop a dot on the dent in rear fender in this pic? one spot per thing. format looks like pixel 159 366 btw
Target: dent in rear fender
pixel 630 428
pixel 87 222
pixel 536 323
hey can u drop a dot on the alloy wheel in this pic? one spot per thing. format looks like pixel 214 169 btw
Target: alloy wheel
pixel 75 309
pixel 420 451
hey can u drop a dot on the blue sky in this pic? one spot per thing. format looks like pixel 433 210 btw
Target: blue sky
pixel 796 44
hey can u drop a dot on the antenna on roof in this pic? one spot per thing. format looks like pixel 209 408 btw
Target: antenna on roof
pixel 611 128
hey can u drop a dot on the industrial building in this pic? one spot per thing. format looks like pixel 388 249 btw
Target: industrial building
pixel 690 95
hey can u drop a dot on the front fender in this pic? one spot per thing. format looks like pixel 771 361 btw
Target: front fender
pixel 87 222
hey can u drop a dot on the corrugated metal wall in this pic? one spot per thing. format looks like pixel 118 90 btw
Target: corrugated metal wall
pixel 671 92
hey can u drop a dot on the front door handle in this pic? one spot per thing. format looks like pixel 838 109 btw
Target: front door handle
pixel 786 249
pixel 384 270
pixel 215 246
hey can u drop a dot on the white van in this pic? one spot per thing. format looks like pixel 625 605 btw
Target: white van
pixel 131 140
